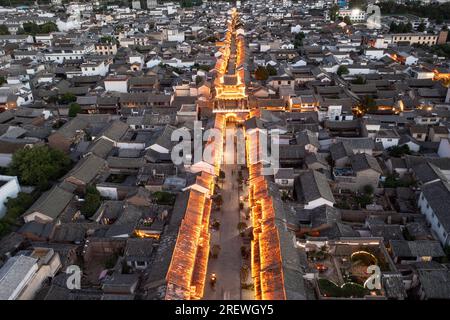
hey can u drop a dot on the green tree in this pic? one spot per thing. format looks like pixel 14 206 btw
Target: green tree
pixel 398 151
pixel 30 28
pixel 393 27
pixel 400 28
pixel 261 73
pixel 421 27
pixel 15 207
pixel 433 11
pixel 218 200
pixel 190 3
pixel 359 80
pixel 67 98
pixel 48 27
pixel 108 39
pixel 198 80
pixel 164 198
pixel 298 40
pixel 271 70
pixel 92 202
pixel 39 165
pixel 4 30
pixel 241 226
pixel 368 189
pixel 347 20
pixel 333 12
pixel 74 109
pixel 357 4
pixel 33 29
pixel 408 27
pixel 2 80
pixel 342 70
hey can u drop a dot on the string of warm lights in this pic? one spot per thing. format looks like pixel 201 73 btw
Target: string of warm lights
pixel 186 276
pixel 266 261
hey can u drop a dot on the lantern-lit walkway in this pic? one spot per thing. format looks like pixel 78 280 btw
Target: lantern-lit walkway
pixel 227 266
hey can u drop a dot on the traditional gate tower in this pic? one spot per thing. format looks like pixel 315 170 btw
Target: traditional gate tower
pixel 229 83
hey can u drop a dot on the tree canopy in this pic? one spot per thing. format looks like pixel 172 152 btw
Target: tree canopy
pixel 33 29
pixel 442 50
pixel 333 12
pixel 92 202
pixel 347 20
pixel 271 70
pixel 342 70
pixel 357 4
pixel 398 151
pixel 67 98
pixel 15 207
pixel 421 27
pixel 401 27
pixel 190 3
pixel 4 30
pixel 298 40
pixel 39 165
pixel 261 73
pixel 437 12
pixel 359 80
pixel 74 109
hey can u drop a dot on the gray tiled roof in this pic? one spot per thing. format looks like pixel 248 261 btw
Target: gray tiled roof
pixel 139 249
pixel 87 169
pixel 102 147
pixel 363 161
pixel 417 248
pixel 357 143
pixel 427 172
pixel 13 273
pixel 340 150
pixel 307 137
pixel 51 203
pixel 115 130
pixel 313 185
pixel 435 283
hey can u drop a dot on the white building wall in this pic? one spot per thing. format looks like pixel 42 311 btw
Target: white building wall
pixel 433 220
pixel 286 183
pixel 131 145
pixel 388 142
pixel 100 70
pixel 444 148
pixel 8 190
pixel 117 86
pixel 317 203
pixel 108 192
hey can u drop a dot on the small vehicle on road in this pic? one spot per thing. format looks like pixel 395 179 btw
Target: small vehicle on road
pixel 213 280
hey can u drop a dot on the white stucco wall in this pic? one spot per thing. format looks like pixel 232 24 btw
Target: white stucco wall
pixel 9 190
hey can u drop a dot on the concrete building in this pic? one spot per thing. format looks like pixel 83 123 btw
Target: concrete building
pixel 106 48
pixel 355 15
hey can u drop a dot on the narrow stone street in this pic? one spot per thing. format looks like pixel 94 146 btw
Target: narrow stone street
pixel 227 266
pixel 228 263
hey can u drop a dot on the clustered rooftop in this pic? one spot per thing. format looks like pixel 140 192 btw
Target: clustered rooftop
pixel 357 110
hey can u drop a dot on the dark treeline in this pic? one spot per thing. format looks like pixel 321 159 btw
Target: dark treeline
pixel 438 12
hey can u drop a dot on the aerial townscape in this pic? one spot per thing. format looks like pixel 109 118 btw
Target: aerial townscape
pixel 326 175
